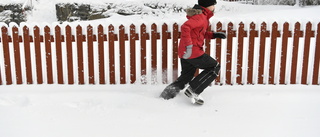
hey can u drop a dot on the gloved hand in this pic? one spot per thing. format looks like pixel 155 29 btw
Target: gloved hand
pixel 221 35
pixel 188 52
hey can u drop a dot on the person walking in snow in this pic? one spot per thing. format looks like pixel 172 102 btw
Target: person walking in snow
pixel 192 55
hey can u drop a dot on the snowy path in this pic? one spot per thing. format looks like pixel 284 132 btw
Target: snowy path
pixel 136 111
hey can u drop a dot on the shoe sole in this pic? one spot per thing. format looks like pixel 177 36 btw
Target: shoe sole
pixel 199 102
pixel 167 96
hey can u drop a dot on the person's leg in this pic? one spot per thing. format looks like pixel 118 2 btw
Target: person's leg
pixel 204 79
pixel 187 74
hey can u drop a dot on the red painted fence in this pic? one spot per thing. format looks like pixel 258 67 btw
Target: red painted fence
pixel 252 54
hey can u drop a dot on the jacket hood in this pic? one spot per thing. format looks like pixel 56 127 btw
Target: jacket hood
pixel 191 12
pixel 197 9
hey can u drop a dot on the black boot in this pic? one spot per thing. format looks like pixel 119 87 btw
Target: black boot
pixel 195 98
pixel 170 92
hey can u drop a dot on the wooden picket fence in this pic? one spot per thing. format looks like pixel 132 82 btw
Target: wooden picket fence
pixel 126 55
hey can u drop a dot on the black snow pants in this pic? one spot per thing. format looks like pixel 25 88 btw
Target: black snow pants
pixel 211 69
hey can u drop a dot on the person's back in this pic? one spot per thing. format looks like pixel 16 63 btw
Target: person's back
pixel 194 31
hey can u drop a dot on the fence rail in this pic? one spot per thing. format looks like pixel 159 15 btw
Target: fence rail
pixel 253 53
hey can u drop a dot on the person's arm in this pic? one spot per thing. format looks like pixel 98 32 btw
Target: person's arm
pixel 213 35
pixel 186 29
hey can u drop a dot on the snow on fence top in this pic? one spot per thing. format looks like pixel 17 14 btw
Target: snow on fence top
pixel 253 53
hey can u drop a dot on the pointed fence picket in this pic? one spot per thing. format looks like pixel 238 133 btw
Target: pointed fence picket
pixel 315 79
pixel 269 54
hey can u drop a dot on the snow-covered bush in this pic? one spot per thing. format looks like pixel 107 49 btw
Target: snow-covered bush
pixel 80 11
pixel 5 16
pixel 12 13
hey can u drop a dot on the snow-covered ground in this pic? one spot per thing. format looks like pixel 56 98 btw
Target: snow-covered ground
pixel 137 111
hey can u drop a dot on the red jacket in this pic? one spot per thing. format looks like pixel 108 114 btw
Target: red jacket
pixel 194 31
